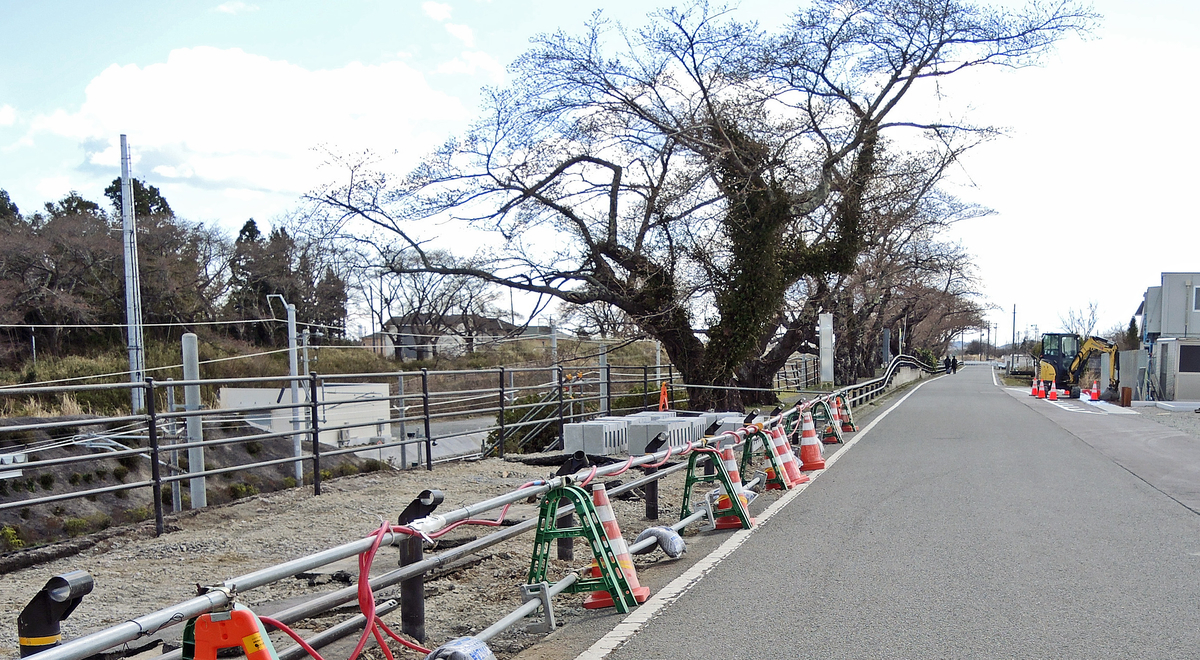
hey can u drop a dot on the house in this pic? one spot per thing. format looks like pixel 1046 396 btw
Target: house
pixel 422 336
pixel 1171 334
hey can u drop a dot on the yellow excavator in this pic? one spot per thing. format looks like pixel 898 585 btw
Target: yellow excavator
pixel 1064 358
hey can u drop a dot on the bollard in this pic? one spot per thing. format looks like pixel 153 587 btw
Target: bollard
pixel 651 491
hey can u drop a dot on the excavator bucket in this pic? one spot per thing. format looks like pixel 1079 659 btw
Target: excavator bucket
pixel 1110 394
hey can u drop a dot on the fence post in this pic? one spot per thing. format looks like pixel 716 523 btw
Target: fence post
pixel 560 407
pixel 425 408
pixel 403 428
pixel 314 427
pixel 605 382
pixel 176 486
pixel 645 387
pixel 670 386
pixel 500 444
pixel 155 472
pixel 195 424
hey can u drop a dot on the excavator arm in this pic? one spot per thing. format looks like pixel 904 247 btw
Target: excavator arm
pixel 1092 346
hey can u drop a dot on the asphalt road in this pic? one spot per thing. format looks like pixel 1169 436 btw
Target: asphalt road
pixel 971 522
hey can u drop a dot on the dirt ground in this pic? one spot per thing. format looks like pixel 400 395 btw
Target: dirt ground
pixel 136 573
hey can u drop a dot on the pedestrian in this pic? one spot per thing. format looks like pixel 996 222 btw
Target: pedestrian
pixel 954 365
pixel 946 364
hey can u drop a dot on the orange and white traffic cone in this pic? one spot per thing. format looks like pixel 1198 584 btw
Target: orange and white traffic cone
pixel 1053 395
pixel 844 413
pixel 1041 389
pixel 810 449
pixel 725 503
pixel 787 460
pixel 1033 390
pixel 601 599
pixel 1095 390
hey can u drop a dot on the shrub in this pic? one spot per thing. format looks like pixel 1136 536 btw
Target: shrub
pixel 371 465
pixel 253 448
pixel 139 513
pixel 46 480
pixel 121 494
pixel 345 469
pixel 3 486
pixel 26 513
pixel 98 521
pixel 119 473
pixel 129 462
pixel 10 538
pixel 289 482
pixel 326 474
pixel 240 490
pixel 75 526
pixel 75 478
pixel 87 477
pixel 101 474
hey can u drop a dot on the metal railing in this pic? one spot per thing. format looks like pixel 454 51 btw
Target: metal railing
pixel 222 595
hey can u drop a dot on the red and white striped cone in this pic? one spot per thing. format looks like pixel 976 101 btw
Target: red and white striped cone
pixel 1034 389
pixel 1041 391
pixel 1053 395
pixel 844 413
pixel 1095 390
pixel 724 503
pixel 810 448
pixel 601 599
pixel 786 459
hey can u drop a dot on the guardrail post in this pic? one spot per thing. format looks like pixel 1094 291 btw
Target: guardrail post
pixel 651 491
pixel 500 444
pixel 425 409
pixel 314 427
pixel 560 407
pixel 155 472
pixel 403 428
pixel 412 590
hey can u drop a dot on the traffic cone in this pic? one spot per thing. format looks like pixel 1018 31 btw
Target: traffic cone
pixel 1053 395
pixel 601 599
pixel 724 503
pixel 1095 390
pixel 810 449
pixel 1034 388
pixel 663 400
pixel 787 460
pixel 1041 390
pixel 844 412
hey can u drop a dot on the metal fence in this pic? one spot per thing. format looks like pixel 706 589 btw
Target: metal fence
pixel 220 596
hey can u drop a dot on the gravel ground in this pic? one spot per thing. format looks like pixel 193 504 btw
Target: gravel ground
pixel 137 573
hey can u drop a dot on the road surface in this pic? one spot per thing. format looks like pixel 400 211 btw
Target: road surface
pixel 971 522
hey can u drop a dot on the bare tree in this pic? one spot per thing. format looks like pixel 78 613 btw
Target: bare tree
pixel 1081 322
pixel 678 172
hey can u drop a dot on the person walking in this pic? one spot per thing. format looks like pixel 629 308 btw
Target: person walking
pixel 946 364
pixel 954 365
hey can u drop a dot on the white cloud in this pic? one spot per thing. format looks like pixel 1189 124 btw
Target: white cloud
pixel 472 62
pixel 235 7
pixel 463 33
pixel 211 122
pixel 54 187
pixel 8 115
pixel 438 11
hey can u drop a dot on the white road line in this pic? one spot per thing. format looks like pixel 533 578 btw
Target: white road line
pixel 629 626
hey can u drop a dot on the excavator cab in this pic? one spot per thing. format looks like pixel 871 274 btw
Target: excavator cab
pixel 1058 352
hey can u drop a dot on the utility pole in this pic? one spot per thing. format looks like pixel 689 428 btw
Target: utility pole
pixel 133 290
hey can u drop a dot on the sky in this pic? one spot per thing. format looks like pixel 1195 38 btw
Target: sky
pixel 233 108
